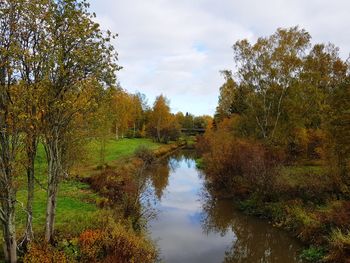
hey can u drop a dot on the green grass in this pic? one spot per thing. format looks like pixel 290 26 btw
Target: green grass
pixel 76 204
pixel 301 175
pixel 118 149
pixel 199 163
pixel 313 254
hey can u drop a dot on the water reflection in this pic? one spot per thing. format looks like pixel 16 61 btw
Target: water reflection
pixel 191 226
pixel 255 240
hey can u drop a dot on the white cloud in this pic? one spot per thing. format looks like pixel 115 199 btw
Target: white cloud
pixel 178 47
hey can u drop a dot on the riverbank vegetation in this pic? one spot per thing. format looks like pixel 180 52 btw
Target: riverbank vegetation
pixel 281 139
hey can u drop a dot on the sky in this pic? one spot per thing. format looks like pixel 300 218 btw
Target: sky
pixel 178 47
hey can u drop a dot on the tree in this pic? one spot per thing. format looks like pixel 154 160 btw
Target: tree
pixel 10 119
pixel 268 71
pixel 338 127
pixel 122 111
pixel 188 121
pixel 31 38
pixel 136 112
pixel 81 61
pixel 232 97
pixel 202 122
pixel 322 73
pixel 161 119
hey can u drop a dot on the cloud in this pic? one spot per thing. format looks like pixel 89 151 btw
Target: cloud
pixel 178 47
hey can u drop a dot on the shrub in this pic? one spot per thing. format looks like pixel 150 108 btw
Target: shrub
pixel 44 253
pixel 316 144
pixel 303 222
pixel 91 245
pixel 145 154
pixel 202 145
pixel 233 163
pixel 313 254
pixel 116 244
pixel 337 216
pixel 339 246
pixel 297 144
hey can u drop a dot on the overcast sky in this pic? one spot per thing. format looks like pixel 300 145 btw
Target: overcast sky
pixel 178 47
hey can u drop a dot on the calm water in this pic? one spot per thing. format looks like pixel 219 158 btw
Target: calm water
pixel 191 226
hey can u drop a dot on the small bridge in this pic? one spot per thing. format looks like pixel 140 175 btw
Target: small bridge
pixel 193 131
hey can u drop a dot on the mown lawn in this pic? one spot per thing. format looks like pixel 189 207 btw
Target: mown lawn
pixel 118 149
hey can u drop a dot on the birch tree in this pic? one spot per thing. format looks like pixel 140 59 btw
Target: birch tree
pixel 9 125
pixel 31 60
pixel 268 70
pixel 81 57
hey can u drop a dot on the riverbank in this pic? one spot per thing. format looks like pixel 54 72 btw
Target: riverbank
pixel 304 196
pixel 302 201
pixel 79 207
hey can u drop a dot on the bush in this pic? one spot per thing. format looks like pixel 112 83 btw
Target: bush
pixel 44 253
pixel 145 154
pixel 235 164
pixel 313 254
pixel 116 244
pixel 336 216
pixel 202 145
pixel 340 246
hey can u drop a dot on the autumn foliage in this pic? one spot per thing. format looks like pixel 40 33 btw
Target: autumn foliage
pixel 44 253
pixel 115 244
pixel 238 165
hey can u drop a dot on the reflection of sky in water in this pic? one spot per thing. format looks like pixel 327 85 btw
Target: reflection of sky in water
pixel 196 228
pixel 177 227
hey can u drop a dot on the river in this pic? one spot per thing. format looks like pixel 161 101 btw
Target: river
pixel 192 227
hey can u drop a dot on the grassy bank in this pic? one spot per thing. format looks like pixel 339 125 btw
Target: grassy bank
pixel 79 207
pixel 76 206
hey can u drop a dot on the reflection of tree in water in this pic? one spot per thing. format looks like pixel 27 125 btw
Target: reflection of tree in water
pixel 159 172
pixel 159 175
pixel 255 240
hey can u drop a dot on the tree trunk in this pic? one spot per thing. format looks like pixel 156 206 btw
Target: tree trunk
pixel 29 235
pixel 53 152
pixel 8 150
pixel 10 243
pixel 134 130
pixel 51 212
pixel 9 228
pixel 116 132
pixel 102 150
pixel 31 153
pixel 158 130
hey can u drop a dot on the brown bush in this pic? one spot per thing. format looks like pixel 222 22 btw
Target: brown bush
pixel 233 163
pixel 202 145
pixel 91 244
pixel 339 247
pixel 44 253
pixel 338 216
pixel 116 183
pixel 115 244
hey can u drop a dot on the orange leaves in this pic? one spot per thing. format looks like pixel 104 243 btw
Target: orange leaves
pixel 44 253
pixel 91 244
pixel 115 244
